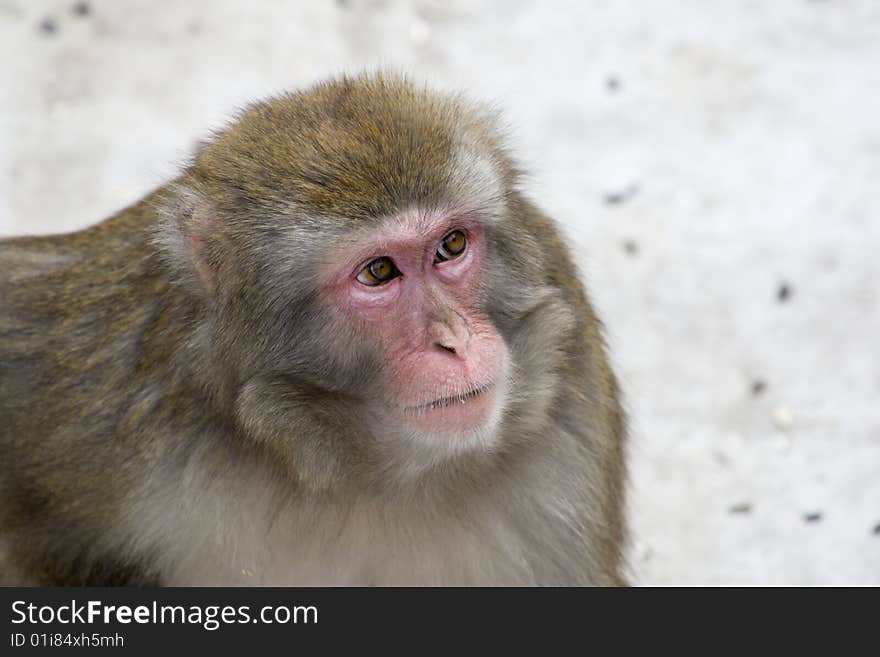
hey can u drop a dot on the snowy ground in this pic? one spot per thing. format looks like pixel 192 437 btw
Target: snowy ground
pixel 717 166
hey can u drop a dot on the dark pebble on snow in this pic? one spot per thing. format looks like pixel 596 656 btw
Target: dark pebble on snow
pixel 48 26
pixel 783 292
pixel 616 198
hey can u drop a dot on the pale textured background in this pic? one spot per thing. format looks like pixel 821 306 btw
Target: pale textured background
pixel 740 139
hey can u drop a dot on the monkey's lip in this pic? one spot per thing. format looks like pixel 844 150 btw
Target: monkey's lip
pixel 443 402
pixel 469 408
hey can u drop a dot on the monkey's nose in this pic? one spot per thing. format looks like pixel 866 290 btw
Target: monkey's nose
pixel 452 335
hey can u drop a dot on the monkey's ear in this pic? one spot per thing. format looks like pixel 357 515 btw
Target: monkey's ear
pixel 195 234
pixel 187 235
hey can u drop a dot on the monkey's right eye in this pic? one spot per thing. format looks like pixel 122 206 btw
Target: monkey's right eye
pixel 379 271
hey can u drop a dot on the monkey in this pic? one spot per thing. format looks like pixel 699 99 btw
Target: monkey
pixel 341 347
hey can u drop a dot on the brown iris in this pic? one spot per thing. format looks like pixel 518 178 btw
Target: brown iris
pixel 451 246
pixel 379 271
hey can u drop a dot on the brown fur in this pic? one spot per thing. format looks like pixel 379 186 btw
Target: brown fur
pixel 178 405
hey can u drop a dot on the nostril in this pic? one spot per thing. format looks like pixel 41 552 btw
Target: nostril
pixel 449 337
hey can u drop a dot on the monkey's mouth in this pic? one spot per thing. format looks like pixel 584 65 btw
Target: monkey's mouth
pixel 451 401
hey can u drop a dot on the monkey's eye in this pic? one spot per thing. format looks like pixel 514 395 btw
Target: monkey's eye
pixel 379 271
pixel 451 246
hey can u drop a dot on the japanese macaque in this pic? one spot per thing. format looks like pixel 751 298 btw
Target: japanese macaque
pixel 341 348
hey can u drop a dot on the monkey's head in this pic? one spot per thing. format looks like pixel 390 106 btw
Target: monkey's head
pixel 366 263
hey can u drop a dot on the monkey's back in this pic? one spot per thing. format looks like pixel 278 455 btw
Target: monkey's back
pixel 72 319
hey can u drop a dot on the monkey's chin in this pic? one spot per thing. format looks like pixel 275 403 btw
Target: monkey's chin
pixel 419 439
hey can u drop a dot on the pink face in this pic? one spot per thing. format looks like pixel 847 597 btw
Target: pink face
pixel 411 286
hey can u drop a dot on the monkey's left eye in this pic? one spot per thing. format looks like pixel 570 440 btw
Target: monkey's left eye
pixel 451 246
pixel 379 271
